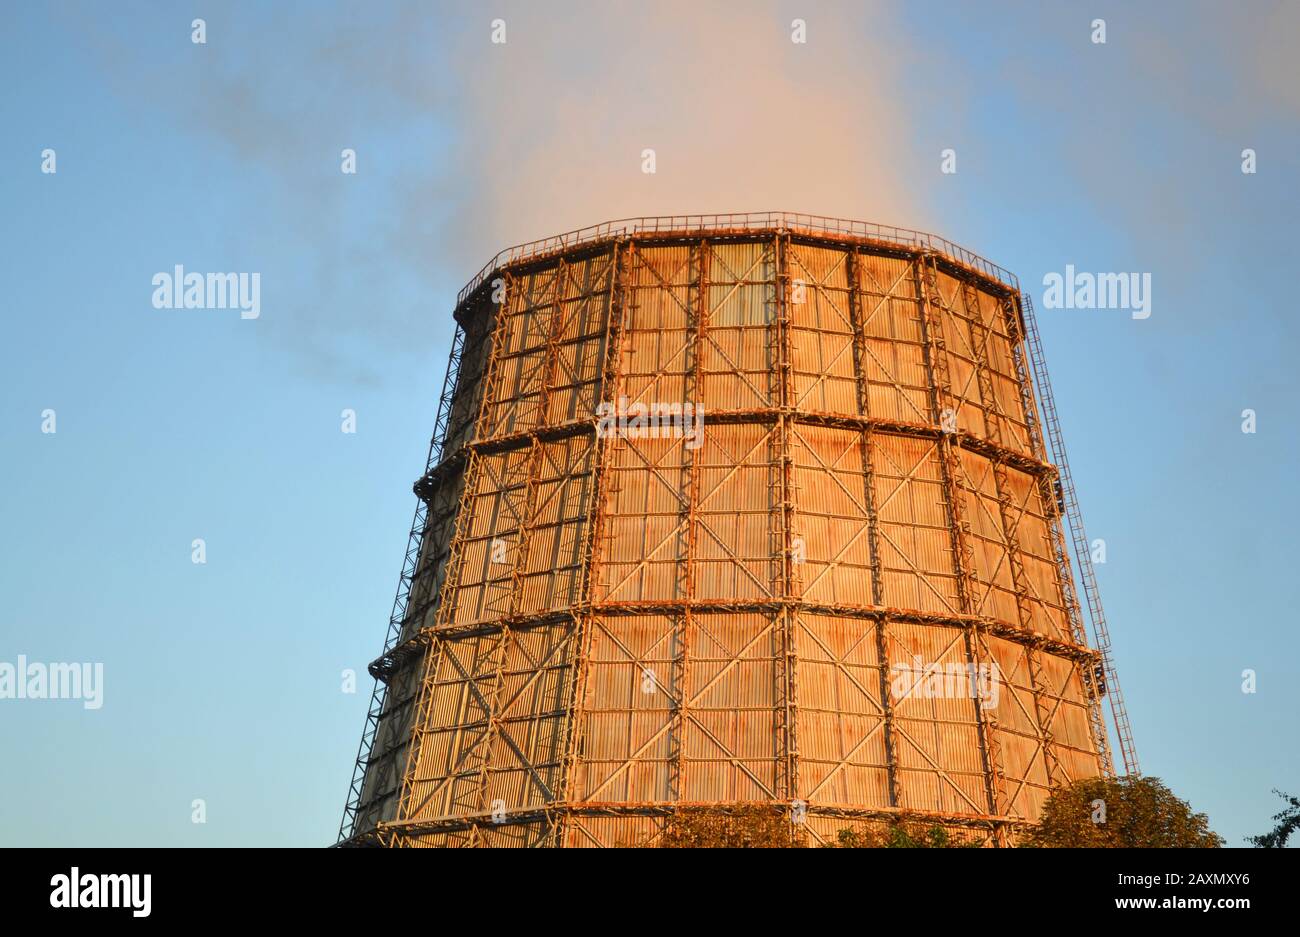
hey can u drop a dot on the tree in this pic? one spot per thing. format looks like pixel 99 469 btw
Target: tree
pixel 754 827
pixel 730 828
pixel 1288 821
pixel 1120 813
pixel 899 835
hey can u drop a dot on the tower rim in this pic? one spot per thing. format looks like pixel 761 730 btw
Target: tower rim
pixel 739 225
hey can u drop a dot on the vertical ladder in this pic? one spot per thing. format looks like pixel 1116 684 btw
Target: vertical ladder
pixel 1101 634
pixel 410 563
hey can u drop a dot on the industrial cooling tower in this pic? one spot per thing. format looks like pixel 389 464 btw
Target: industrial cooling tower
pixel 736 510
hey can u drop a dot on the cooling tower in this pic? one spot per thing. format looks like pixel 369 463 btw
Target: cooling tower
pixel 733 510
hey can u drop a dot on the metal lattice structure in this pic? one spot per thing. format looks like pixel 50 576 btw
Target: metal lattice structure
pixel 596 629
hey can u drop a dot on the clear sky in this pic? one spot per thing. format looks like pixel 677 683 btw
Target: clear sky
pixel 222 681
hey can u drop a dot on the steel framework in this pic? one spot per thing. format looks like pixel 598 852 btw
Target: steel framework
pixel 595 629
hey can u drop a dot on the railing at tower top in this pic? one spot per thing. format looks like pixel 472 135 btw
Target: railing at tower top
pixel 1082 554
pixel 410 566
pixel 743 221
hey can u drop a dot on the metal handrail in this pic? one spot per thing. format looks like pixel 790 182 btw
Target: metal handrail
pixel 748 221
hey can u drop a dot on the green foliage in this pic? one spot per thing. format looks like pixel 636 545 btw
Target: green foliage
pixel 899 835
pixel 1120 813
pixel 765 828
pixel 1288 821
pixel 1114 813
pixel 730 828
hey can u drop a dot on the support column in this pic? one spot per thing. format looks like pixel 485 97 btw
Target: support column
pixel 892 740
pixel 786 586
pixel 944 403
pixel 616 313
pixel 688 572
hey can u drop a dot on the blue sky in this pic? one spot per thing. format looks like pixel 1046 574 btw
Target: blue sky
pixel 222 680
